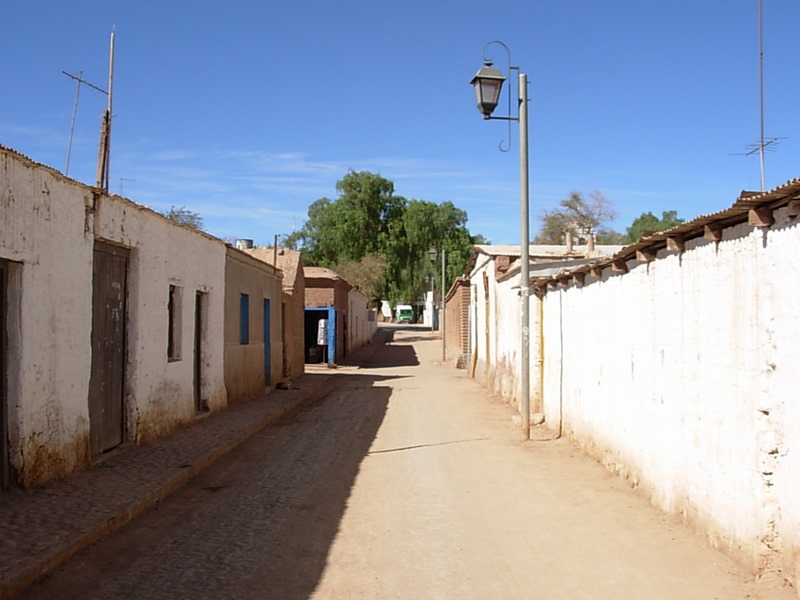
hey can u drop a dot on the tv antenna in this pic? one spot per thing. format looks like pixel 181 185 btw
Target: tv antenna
pixel 80 80
pixel 121 183
pixel 763 144
pixel 105 128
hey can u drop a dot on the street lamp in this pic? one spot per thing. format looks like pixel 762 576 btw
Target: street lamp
pixel 488 83
pixel 443 310
pixel 432 253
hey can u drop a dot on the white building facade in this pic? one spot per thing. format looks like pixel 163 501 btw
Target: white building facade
pixel 112 326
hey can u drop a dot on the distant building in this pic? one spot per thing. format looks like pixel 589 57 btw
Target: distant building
pixel 350 323
pixel 290 262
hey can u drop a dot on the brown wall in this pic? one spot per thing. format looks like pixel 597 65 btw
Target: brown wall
pixel 457 321
pixel 322 292
pixel 244 363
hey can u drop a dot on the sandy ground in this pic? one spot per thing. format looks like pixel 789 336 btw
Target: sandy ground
pixel 404 481
pixel 450 503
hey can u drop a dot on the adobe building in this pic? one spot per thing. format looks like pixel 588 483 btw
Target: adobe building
pixel 290 262
pixel 337 318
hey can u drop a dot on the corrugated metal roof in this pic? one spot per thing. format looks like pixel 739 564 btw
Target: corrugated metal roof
pixel 544 250
pixel 735 214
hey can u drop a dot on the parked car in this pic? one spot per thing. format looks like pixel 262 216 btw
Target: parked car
pixel 404 314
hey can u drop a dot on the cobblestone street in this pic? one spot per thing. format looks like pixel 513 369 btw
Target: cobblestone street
pixel 402 480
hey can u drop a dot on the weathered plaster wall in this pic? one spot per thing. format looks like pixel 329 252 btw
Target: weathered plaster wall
pixel 483 307
pixel 48 226
pixel 679 376
pixel 506 339
pixel 159 391
pixel 498 333
pixel 42 229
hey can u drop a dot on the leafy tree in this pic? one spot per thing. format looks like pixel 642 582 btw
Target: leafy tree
pixel 184 216
pixel 367 274
pixel 648 223
pixel 369 220
pixel 580 217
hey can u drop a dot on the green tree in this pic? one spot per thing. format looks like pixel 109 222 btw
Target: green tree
pixel 581 217
pixel 369 220
pixel 184 216
pixel 367 274
pixel 647 223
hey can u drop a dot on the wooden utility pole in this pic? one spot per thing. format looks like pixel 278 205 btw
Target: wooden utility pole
pixel 105 128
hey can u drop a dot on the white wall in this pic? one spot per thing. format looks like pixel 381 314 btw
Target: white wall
pixel 361 326
pixel 679 375
pixel 483 308
pixel 42 230
pixel 48 225
pixel 160 393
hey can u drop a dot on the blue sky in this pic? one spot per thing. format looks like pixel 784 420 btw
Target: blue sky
pixel 247 112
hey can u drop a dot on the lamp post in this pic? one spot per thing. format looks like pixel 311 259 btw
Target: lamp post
pixel 432 255
pixel 488 83
pixel 443 310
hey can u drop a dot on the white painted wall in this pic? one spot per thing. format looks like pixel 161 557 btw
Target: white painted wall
pixel 362 322
pixel 680 375
pixel 483 308
pixel 42 230
pixel 160 392
pixel 48 225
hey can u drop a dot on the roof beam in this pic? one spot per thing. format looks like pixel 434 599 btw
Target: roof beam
pixel 645 255
pixel 675 243
pixel 760 217
pixel 713 232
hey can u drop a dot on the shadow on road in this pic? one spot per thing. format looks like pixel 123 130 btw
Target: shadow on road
pixel 259 523
pixel 390 347
pixel 346 428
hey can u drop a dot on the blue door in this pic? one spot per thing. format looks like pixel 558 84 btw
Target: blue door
pixel 331 335
pixel 267 345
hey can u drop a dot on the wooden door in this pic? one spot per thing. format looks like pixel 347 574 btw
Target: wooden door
pixel 107 383
pixel 5 470
pixel 267 344
pixel 199 310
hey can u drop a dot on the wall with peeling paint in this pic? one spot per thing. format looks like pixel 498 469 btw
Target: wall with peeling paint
pixel 48 226
pixel 679 375
pixel 42 231
pixel 159 389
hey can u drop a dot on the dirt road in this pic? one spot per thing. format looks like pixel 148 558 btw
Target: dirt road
pixel 404 482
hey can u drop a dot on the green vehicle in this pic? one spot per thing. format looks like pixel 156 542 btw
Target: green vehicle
pixel 404 314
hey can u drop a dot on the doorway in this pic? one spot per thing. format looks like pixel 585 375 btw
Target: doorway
pixel 267 344
pixel 200 405
pixel 109 329
pixel 5 468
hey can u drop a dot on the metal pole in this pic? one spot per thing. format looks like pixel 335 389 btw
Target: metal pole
pixel 761 87
pixel 524 258
pixel 444 310
pixel 433 303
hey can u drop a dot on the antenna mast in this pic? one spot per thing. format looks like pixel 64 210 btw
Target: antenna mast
pixel 761 84
pixel 763 144
pixel 105 128
pixel 79 78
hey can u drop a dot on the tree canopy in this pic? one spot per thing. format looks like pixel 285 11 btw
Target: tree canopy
pixel 580 217
pixel 649 223
pixel 181 214
pixel 380 241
